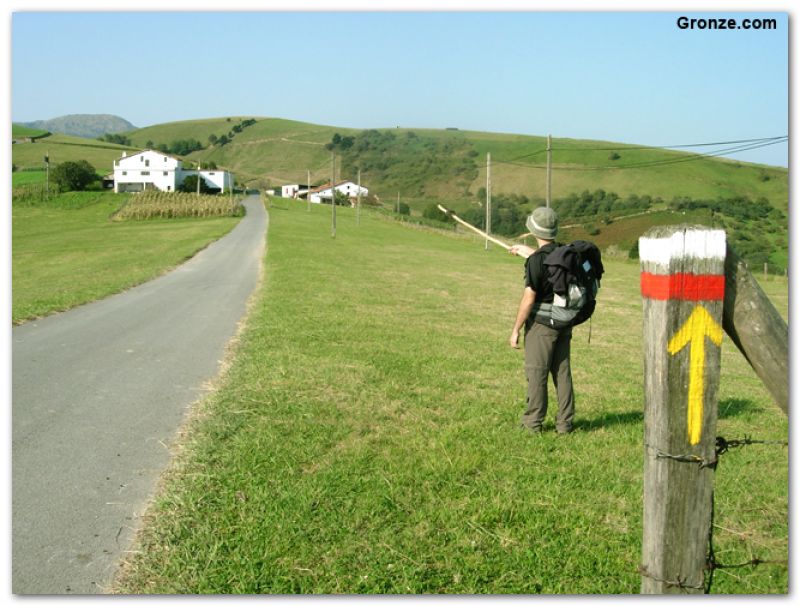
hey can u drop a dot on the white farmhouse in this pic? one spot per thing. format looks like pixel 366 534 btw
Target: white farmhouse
pixel 290 191
pixel 324 192
pixel 150 169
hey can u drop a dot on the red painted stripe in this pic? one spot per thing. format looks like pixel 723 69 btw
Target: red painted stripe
pixel 686 287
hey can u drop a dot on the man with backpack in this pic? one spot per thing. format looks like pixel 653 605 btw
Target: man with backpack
pixel 547 334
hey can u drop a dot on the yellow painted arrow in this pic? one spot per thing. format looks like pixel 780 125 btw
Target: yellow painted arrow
pixel 693 333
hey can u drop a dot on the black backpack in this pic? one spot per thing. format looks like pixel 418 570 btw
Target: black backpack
pixel 574 270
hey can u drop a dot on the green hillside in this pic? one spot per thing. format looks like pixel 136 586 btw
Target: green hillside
pixel 66 148
pixel 427 166
pixel 275 151
pixel 19 130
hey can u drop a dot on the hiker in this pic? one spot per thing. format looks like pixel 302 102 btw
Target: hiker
pixel 547 349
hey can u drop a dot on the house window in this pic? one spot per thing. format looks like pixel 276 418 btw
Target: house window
pixel 124 172
pixel 209 174
pixel 166 173
pixel 145 172
pixel 147 162
pixel 169 187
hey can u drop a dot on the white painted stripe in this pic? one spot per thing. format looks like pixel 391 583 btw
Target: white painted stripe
pixel 692 243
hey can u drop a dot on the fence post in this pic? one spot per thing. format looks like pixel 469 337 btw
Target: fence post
pixel 757 329
pixel 683 286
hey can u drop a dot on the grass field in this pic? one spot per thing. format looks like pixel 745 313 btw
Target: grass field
pixel 365 439
pixel 65 148
pixel 67 252
pixel 18 130
pixel 28 177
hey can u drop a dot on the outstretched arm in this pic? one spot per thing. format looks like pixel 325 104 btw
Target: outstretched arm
pixel 521 250
pixel 525 306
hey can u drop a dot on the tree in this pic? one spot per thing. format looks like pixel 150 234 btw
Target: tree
pixel 190 185
pixel 340 198
pixel 433 213
pixel 149 144
pixel 223 140
pixel 73 176
pixel 212 139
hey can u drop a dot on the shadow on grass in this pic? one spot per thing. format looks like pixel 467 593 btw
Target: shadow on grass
pixel 730 407
pixel 733 407
pixel 608 420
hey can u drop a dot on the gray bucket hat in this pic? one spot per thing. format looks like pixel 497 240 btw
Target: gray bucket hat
pixel 543 223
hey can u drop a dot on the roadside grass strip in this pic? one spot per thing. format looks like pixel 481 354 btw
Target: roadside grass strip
pixel 66 252
pixel 365 439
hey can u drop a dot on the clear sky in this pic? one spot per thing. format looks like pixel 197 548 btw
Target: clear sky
pixel 625 77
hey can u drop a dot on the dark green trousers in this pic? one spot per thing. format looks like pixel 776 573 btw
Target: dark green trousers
pixel 547 353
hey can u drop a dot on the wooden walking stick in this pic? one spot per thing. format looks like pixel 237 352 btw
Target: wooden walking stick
pixel 458 219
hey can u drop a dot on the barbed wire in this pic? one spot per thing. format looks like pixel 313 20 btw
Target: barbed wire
pixel 721 446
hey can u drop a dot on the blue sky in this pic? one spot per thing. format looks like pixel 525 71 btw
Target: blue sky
pixel 623 77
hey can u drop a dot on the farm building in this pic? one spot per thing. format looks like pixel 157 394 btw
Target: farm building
pixel 324 192
pixel 291 191
pixel 153 170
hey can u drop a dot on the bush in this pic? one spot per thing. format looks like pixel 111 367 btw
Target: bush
pixel 189 185
pixel 74 176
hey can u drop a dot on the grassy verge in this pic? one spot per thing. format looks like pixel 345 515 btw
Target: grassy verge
pixel 366 441
pixel 66 252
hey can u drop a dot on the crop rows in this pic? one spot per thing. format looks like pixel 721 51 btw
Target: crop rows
pixel 167 205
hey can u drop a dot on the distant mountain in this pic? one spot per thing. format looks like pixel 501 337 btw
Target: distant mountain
pixel 83 125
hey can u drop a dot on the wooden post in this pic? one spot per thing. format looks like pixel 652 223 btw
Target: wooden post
pixel 333 195
pixel 549 169
pixel 358 202
pixel 756 328
pixel 683 285
pixel 488 196
pixel 308 190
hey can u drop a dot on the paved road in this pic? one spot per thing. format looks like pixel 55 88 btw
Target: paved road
pixel 98 394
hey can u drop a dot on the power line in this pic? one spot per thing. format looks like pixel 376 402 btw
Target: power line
pixel 751 144
pixel 661 147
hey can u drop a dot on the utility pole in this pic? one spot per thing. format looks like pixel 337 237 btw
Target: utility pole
pixel 358 203
pixel 47 170
pixel 333 195
pixel 198 179
pixel 488 196
pixel 308 190
pixel 549 169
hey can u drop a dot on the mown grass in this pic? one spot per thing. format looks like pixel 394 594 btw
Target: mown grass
pixel 66 252
pixel 365 439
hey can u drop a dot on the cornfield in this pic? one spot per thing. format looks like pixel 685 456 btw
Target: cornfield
pixel 168 205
